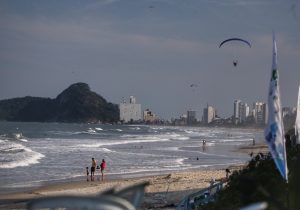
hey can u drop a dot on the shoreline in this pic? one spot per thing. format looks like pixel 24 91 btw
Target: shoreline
pixel 162 191
pixel 112 177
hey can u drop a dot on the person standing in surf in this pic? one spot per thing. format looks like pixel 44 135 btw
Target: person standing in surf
pixel 102 167
pixel 93 168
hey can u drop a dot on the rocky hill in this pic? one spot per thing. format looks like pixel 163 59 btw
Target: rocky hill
pixel 75 104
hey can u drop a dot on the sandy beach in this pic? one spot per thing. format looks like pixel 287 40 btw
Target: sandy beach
pixel 163 191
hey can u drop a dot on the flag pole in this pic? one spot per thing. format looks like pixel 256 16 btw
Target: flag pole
pixel 274 131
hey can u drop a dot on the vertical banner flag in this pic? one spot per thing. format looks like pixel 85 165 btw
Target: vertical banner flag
pixel 297 123
pixel 274 132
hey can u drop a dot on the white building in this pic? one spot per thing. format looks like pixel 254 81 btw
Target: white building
pixel 209 114
pixel 241 111
pixel 130 112
pixel 260 113
pixel 236 111
pixel 244 110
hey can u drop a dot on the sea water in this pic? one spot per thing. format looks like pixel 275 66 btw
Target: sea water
pixel 33 154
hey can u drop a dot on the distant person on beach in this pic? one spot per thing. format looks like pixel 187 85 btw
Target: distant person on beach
pixel 93 168
pixel 203 145
pixel 253 141
pixel 227 173
pixel 102 166
pixel 87 173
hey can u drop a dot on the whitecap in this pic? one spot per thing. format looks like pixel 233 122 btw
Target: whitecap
pixel 107 150
pixel 16 155
pixel 99 129
pixel 171 148
pixel 181 138
pixel 91 130
pixel 135 128
pixel 18 135
pixel 180 160
pixel 230 140
pixel 108 143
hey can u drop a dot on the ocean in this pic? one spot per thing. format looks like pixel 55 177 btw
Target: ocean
pixel 35 154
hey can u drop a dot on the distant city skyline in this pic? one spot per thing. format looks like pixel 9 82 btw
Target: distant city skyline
pixel 151 49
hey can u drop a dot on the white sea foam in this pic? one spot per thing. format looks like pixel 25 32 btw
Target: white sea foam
pixel 99 129
pixel 18 135
pixel 180 160
pixel 106 150
pixel 17 155
pixel 111 142
pixel 66 133
pixel 230 140
pixel 171 148
pixel 181 138
pixel 91 130
pixel 158 128
pixel 189 131
pixel 135 128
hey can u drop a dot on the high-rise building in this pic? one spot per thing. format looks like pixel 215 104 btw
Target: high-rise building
pixel 260 113
pixel 130 112
pixel 149 117
pixel 191 117
pixel 132 100
pixel 208 114
pixel 236 111
pixel 243 112
pixel 265 114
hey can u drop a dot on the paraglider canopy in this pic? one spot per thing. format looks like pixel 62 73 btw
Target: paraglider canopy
pixel 235 39
pixel 238 40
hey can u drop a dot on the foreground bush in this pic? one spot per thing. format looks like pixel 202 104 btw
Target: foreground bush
pixel 261 181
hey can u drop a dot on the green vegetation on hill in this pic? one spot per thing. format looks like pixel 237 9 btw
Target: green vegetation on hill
pixel 261 181
pixel 75 104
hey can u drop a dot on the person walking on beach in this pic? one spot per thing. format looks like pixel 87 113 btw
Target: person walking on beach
pixel 203 145
pixel 102 168
pixel 93 168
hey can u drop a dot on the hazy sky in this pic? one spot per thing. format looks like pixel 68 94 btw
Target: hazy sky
pixel 151 49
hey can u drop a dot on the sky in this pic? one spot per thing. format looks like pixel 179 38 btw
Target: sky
pixel 151 49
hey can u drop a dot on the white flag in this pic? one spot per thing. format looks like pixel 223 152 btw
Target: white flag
pixel 297 123
pixel 274 132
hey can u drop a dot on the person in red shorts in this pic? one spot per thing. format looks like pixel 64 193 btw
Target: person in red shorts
pixel 102 167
